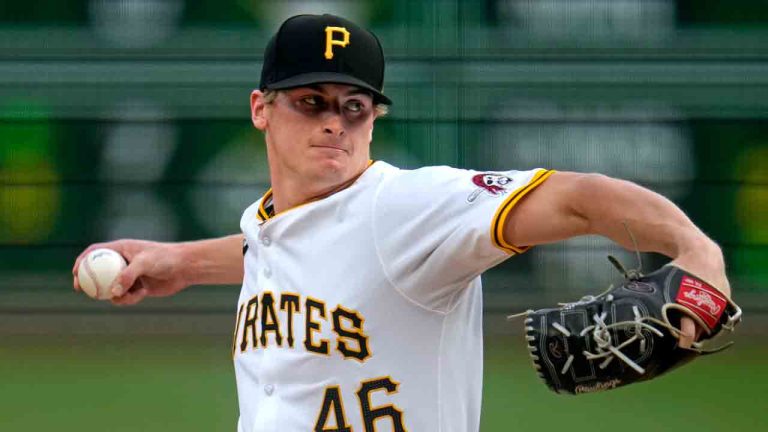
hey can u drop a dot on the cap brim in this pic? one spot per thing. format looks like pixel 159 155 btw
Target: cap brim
pixel 328 77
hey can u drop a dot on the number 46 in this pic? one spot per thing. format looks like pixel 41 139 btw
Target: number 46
pixel 333 407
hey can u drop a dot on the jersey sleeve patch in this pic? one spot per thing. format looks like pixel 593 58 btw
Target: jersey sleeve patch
pixel 500 218
pixel 493 184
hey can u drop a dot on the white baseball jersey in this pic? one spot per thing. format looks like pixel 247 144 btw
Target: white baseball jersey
pixel 361 311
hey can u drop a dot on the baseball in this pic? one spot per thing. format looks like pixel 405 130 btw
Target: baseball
pixel 98 270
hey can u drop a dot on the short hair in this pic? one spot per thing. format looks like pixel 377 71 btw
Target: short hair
pixel 380 108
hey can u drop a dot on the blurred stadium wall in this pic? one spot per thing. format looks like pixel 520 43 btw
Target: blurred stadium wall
pixel 129 118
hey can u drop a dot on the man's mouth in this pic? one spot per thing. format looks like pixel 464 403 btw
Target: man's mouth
pixel 331 148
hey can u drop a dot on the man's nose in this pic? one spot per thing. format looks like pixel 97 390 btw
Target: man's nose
pixel 333 125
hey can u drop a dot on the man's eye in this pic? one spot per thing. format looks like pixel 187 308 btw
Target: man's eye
pixel 354 106
pixel 310 100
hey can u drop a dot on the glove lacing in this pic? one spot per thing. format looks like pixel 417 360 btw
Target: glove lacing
pixel 606 349
pixel 601 332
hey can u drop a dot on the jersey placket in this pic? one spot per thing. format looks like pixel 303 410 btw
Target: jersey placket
pixel 268 392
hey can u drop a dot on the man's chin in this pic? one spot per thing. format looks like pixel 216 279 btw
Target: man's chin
pixel 329 170
pixel 337 170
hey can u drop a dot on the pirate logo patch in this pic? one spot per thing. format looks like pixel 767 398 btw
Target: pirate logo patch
pixel 493 184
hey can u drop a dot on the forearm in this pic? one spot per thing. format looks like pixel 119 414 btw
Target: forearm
pixel 213 261
pixel 658 225
pixel 612 207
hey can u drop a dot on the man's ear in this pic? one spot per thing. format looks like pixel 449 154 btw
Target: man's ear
pixel 257 110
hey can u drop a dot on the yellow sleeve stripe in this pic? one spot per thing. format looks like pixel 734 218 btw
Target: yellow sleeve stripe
pixel 500 218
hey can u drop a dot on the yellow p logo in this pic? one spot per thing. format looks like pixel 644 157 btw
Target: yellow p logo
pixel 330 41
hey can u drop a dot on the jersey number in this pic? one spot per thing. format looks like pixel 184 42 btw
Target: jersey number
pixel 332 410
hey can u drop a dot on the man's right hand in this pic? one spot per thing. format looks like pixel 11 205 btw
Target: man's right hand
pixel 154 269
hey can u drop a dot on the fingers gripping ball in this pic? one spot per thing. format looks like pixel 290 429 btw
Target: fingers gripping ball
pixel 97 272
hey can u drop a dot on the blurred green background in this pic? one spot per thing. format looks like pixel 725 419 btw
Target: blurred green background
pixel 129 118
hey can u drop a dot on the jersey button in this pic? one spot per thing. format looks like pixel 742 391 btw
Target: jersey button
pixel 267 272
pixel 269 389
pixel 266 241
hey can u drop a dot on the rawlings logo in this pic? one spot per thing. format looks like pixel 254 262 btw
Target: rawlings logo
pixel 493 184
pixel 606 385
pixel 702 298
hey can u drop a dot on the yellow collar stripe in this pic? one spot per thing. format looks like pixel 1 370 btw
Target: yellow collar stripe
pixel 263 214
pixel 267 211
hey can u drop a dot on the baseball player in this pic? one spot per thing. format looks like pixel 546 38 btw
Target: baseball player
pixel 360 308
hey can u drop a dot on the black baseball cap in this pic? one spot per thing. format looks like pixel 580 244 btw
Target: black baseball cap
pixel 314 49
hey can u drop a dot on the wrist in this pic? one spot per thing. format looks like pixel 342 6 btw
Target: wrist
pixel 702 257
pixel 183 254
pixel 696 245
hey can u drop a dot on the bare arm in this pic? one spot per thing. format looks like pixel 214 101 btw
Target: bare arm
pixel 162 269
pixel 573 204
pixel 214 261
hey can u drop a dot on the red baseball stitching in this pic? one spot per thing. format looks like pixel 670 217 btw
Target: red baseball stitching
pixel 91 273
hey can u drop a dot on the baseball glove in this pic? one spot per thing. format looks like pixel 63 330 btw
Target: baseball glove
pixel 628 333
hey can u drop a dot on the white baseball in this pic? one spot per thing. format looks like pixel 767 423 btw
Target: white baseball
pixel 98 270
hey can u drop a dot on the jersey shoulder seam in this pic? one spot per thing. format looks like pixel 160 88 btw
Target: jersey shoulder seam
pixel 381 261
